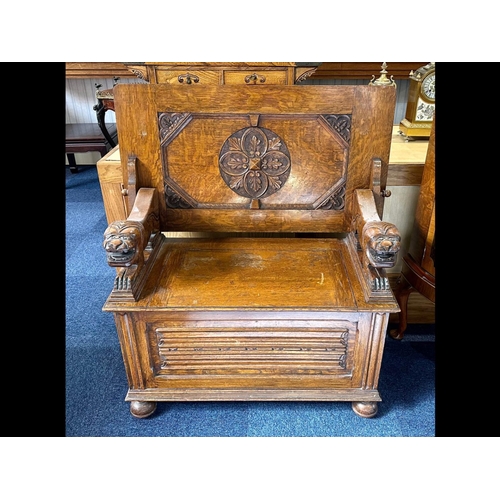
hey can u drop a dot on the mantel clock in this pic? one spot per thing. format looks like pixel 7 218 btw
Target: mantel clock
pixel 421 103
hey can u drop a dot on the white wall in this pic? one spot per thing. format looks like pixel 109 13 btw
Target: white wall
pixel 80 100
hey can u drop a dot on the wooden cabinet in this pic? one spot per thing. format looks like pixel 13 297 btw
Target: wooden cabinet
pixel 222 77
pixel 218 73
pixel 325 70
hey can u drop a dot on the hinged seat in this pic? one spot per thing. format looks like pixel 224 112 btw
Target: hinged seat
pixel 286 298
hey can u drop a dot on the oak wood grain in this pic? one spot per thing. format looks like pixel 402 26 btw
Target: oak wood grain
pixel 295 317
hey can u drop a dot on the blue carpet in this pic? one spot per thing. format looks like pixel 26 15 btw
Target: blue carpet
pixel 96 383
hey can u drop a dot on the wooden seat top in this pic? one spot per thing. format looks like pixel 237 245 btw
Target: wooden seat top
pixel 252 273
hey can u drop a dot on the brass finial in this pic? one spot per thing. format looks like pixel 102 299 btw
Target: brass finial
pixel 382 80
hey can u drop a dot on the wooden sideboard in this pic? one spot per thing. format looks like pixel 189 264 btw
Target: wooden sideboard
pixel 325 70
pixel 282 73
pixel 221 73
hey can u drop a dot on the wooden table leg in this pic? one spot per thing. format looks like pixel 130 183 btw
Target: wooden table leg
pixel 100 110
pixel 72 163
pixel 402 293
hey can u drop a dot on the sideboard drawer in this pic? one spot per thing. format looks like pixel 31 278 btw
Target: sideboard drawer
pixel 184 76
pixel 251 77
pixel 248 76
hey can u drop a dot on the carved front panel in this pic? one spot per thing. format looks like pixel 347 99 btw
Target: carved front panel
pixel 238 161
pixel 201 350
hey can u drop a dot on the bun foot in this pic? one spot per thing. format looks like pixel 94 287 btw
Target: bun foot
pixel 396 334
pixel 366 409
pixel 142 409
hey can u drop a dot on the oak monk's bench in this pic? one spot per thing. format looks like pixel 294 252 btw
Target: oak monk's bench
pixel 287 297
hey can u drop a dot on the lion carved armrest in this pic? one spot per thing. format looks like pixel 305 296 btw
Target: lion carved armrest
pixel 124 243
pixel 378 242
pixel 130 244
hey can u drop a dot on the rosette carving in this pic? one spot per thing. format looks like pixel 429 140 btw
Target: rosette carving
pixel 254 162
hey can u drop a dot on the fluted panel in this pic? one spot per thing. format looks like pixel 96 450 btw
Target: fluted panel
pixel 252 350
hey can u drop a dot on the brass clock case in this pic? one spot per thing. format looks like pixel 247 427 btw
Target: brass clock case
pixel 421 103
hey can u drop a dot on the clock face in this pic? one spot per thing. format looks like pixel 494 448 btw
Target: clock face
pixel 429 86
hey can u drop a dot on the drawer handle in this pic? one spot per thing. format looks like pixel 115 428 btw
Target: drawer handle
pixel 254 77
pixel 189 78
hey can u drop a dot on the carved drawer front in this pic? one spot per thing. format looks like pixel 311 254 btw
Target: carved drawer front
pixel 251 77
pixel 188 77
pixel 266 348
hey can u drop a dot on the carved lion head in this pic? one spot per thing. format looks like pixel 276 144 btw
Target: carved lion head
pixel 381 242
pixel 122 243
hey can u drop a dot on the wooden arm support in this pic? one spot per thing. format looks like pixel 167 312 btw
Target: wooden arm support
pixel 126 240
pixel 376 244
pixel 130 244
pixel 380 241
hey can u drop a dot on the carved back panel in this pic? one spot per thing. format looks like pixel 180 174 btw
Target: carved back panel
pixel 233 158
